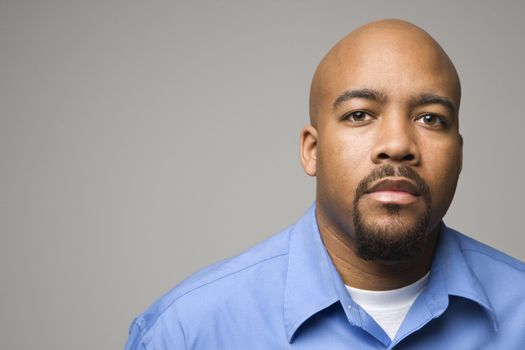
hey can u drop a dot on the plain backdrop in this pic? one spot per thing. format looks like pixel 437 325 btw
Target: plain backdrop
pixel 143 140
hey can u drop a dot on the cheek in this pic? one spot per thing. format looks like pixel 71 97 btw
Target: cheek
pixel 443 169
pixel 341 160
pixel 340 167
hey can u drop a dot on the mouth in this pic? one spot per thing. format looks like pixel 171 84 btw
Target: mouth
pixel 399 191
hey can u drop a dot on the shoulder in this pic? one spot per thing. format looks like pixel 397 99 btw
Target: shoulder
pixel 223 283
pixel 502 279
pixel 501 276
pixel 481 255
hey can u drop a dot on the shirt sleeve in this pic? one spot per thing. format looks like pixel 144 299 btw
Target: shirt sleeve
pixel 135 337
pixel 158 338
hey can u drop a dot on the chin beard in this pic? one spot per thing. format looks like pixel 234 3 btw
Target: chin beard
pixel 394 242
pixel 398 240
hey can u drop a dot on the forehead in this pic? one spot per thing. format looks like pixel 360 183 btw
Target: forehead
pixel 400 68
pixel 393 71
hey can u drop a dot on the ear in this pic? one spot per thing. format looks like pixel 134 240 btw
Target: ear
pixel 460 153
pixel 309 149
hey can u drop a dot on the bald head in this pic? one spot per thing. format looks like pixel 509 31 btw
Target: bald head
pixel 381 55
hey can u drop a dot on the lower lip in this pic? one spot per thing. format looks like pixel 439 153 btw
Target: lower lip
pixel 393 197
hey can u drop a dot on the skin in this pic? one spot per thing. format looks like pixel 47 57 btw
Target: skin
pixel 342 145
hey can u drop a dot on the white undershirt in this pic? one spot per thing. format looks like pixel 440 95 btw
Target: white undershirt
pixel 390 307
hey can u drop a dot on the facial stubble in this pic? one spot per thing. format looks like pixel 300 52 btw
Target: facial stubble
pixel 397 241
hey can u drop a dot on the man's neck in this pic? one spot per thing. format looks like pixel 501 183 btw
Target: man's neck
pixel 373 275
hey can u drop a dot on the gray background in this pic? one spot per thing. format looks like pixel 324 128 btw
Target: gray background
pixel 142 140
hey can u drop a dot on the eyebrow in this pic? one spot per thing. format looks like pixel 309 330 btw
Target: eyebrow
pixel 429 98
pixel 375 95
pixel 369 94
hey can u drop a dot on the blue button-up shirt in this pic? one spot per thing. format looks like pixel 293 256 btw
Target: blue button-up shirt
pixel 286 293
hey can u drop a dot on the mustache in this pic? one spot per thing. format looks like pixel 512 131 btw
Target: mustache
pixel 389 170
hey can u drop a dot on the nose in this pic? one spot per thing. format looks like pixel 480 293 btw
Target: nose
pixel 396 142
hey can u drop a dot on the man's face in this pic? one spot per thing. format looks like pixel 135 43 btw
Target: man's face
pixel 388 149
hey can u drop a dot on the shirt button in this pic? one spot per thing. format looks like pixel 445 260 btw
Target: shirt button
pixel 349 306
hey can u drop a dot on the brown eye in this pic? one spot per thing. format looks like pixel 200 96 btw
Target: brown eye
pixel 431 120
pixel 357 116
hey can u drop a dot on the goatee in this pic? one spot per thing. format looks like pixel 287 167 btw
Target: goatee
pixel 396 241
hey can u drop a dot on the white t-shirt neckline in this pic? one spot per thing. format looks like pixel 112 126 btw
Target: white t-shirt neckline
pixel 390 307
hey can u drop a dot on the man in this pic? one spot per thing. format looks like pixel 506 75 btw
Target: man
pixel 371 265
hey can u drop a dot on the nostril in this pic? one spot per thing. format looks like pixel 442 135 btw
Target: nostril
pixel 407 158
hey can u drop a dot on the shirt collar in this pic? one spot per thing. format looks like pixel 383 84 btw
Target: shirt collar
pixel 451 273
pixel 313 284
pixel 310 285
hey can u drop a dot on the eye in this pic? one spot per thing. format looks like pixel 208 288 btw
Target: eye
pixel 432 120
pixel 357 116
